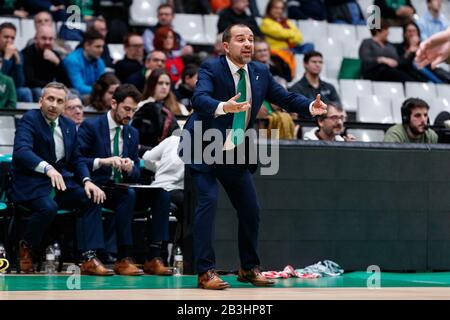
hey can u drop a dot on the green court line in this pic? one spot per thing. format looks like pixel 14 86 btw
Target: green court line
pixel 348 280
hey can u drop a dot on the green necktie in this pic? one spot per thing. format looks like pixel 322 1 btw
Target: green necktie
pixel 239 118
pixel 52 129
pixel 116 174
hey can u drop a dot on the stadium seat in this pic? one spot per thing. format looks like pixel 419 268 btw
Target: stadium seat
pixel 117 51
pixel 343 32
pixel 420 90
pixel 351 50
pixel 437 105
pixel 443 91
pixel 355 88
pixel 330 47
pixel 396 103
pixel 395 35
pixel 388 89
pixel 27 28
pixel 312 30
pixel 299 67
pixel 374 109
pixel 367 135
pixel 350 103
pixel 364 4
pixel 262 4
pixel 362 32
pixel 332 67
pixel 210 27
pixel 190 27
pixel 27 105
pixel 143 12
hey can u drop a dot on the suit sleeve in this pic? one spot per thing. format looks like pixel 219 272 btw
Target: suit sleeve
pixel 23 143
pixel 85 142
pixel 79 165
pixel 133 155
pixel 291 102
pixel 202 101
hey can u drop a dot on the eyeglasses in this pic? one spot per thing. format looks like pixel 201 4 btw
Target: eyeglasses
pixel 71 108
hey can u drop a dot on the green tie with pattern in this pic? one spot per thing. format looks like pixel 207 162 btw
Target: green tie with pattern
pixel 239 118
pixel 116 173
pixel 52 129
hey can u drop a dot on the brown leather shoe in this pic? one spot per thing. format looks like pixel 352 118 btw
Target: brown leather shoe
pixel 94 267
pixel 26 260
pixel 156 267
pixel 126 267
pixel 210 280
pixel 255 277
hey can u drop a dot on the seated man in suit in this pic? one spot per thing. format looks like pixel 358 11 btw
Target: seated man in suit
pixel 110 149
pixel 47 171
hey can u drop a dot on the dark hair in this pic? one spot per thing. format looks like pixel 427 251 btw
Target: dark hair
pixel 92 35
pixel 310 55
pixel 189 71
pixel 99 89
pixel 165 5
pixel 126 91
pixel 410 104
pixel 331 104
pixel 126 39
pixel 8 25
pixel 90 24
pixel 160 35
pixel 405 26
pixel 383 26
pixel 149 90
pixel 271 4
pixel 226 35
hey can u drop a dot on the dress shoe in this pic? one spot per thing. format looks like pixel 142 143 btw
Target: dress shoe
pixel 255 277
pixel 26 260
pixel 126 267
pixel 94 267
pixel 210 280
pixel 156 267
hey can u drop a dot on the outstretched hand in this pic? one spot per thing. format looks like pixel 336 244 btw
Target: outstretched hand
pixel 319 107
pixel 434 50
pixel 231 106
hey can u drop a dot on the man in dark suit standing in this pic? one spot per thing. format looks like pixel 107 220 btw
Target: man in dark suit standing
pixel 109 147
pixel 229 93
pixel 47 174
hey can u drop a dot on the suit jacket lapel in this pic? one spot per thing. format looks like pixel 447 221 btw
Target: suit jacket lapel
pixel 48 136
pixel 126 141
pixel 104 132
pixel 66 137
pixel 231 88
pixel 254 86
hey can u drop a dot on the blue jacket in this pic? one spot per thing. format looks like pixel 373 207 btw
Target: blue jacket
pixel 215 84
pixel 83 73
pixel 94 143
pixel 11 69
pixel 34 143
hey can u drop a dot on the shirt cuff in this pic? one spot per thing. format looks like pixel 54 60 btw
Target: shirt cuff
pixel 85 179
pixel 219 110
pixel 96 164
pixel 41 167
pixel 310 107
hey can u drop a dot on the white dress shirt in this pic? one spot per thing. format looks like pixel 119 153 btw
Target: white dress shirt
pixel 59 146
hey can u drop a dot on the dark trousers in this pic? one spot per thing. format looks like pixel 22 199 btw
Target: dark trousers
pixel 44 210
pixel 238 184
pixel 119 225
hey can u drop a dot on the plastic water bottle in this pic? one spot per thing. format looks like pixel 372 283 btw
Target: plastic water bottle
pixel 50 266
pixel 178 262
pixel 2 251
pixel 57 252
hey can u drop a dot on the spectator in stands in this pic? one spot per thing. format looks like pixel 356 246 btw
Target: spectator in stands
pixel 102 92
pixel 117 163
pixel 379 58
pixel 433 21
pixel 311 85
pixel 395 12
pixel 407 53
pixel 306 9
pixel 278 68
pixel 196 6
pixel 218 46
pixel 165 19
pixel 186 88
pixel 237 12
pixel 11 63
pixel 8 98
pixel 89 9
pixel 56 7
pixel 155 119
pixel 414 127
pixel 219 5
pixel 345 11
pixel 280 32
pixel 134 55
pixel 13 8
pixel 41 63
pixel 155 59
pixel 330 127
pixel 74 109
pixel 99 24
pixel 85 65
pixel 47 174
pixel 165 41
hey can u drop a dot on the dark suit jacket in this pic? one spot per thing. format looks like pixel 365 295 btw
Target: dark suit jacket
pixel 215 84
pixel 94 143
pixel 34 143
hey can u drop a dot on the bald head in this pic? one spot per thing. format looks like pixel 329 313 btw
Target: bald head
pixel 44 38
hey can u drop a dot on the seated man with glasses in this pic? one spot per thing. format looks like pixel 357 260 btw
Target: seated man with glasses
pixel 330 127
pixel 74 109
